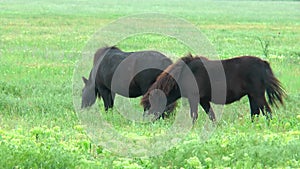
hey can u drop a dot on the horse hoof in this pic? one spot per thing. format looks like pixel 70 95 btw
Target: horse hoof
pixel 146 113
pixel 212 118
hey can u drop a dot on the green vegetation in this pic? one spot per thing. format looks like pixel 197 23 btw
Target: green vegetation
pixel 41 42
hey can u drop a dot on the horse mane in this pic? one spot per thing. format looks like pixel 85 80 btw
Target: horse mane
pixel 188 58
pixel 102 51
pixel 166 81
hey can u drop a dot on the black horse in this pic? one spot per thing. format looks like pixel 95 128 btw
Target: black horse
pixel 245 75
pixel 129 74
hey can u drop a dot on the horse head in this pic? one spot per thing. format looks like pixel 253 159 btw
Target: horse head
pixel 89 93
pixel 155 103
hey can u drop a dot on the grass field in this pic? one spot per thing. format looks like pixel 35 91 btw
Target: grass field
pixel 41 43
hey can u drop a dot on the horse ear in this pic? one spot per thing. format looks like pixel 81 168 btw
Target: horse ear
pixel 84 80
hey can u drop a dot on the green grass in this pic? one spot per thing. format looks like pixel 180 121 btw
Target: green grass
pixel 41 44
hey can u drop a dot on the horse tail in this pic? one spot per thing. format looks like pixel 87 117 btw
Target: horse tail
pixel 274 89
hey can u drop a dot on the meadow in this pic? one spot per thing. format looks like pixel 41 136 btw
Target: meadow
pixel 42 42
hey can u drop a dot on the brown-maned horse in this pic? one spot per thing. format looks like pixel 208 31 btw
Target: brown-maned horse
pixel 129 74
pixel 245 75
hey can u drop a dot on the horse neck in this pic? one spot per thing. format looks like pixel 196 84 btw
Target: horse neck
pixel 109 52
pixel 117 56
pixel 93 74
pixel 173 95
pixel 171 77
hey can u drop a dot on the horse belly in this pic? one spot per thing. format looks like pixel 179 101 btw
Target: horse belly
pixel 130 90
pixel 233 96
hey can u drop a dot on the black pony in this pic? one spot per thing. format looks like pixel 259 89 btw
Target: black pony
pixel 245 75
pixel 129 74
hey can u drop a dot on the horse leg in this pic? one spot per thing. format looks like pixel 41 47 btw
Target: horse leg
pixel 207 108
pixel 268 110
pixel 111 98
pixel 106 96
pixel 253 107
pixel 169 109
pixel 263 105
pixel 193 108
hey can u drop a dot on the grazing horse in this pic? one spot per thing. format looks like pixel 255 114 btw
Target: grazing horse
pixel 245 75
pixel 124 73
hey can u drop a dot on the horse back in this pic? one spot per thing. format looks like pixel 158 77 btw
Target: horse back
pixel 138 70
pixel 242 75
pixel 144 68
